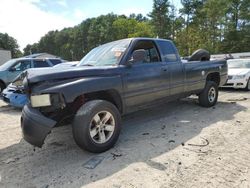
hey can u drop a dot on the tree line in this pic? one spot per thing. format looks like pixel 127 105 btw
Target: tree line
pixel 9 43
pixel 220 26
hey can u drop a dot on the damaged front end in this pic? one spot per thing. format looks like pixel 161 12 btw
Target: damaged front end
pixel 35 126
pixel 54 96
pixel 43 112
pixel 39 116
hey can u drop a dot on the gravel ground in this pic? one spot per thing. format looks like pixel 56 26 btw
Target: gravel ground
pixel 179 144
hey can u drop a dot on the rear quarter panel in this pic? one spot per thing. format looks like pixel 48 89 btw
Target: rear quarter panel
pixel 196 73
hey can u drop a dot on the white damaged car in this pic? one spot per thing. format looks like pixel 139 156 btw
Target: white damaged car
pixel 238 74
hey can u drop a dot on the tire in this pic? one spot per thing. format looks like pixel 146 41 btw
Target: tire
pixel 248 85
pixel 200 55
pixel 209 95
pixel 2 87
pixel 92 131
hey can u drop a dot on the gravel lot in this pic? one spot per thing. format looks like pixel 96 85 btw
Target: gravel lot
pixel 179 144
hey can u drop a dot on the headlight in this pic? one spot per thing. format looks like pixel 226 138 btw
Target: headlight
pixel 239 77
pixel 40 100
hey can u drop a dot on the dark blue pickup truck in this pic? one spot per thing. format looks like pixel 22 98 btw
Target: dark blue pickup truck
pixel 111 80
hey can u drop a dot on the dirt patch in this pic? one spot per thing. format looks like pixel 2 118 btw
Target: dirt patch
pixel 176 145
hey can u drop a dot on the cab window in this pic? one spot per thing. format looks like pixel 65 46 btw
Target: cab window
pixel 40 63
pixel 151 51
pixel 168 50
pixel 22 65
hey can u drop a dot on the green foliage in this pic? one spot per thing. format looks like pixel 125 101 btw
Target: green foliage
pixel 160 19
pixel 74 43
pixel 237 26
pixel 9 43
pixel 128 28
pixel 142 29
pixel 220 26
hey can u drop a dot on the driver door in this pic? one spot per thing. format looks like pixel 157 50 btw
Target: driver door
pixel 17 69
pixel 147 81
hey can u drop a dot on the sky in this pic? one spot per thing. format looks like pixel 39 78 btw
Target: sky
pixel 29 20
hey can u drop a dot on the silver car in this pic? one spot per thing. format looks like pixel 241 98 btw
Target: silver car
pixel 12 68
pixel 238 74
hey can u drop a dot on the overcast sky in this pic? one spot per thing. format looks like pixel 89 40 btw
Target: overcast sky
pixel 28 20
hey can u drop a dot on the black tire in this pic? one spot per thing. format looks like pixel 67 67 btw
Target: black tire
pixel 209 95
pixel 200 55
pixel 2 87
pixel 248 85
pixel 84 120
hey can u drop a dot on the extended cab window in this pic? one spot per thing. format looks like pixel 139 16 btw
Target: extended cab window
pixel 151 51
pixel 168 50
pixel 22 65
pixel 40 63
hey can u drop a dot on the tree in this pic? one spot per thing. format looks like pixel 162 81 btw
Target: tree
pixel 129 27
pixel 142 29
pixel 220 26
pixel 237 26
pixel 138 17
pixel 30 49
pixel 191 9
pixel 160 18
pixel 9 43
pixel 124 27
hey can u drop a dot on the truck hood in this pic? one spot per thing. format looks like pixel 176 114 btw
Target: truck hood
pixel 233 72
pixel 45 74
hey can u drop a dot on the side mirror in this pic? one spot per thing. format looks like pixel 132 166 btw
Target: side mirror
pixel 137 56
pixel 12 69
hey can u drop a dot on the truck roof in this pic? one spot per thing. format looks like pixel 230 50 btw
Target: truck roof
pixel 147 38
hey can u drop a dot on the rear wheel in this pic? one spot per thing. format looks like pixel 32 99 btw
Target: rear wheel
pixel 209 95
pixel 96 126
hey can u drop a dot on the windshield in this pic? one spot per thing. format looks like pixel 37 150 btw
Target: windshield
pixel 107 54
pixel 8 64
pixel 239 63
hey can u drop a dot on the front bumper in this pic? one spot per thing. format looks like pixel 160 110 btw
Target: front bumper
pixel 14 99
pixel 236 83
pixel 35 126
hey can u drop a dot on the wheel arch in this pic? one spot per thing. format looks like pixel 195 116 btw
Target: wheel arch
pixel 215 77
pixel 111 95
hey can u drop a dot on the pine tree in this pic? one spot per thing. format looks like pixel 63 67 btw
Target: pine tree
pixel 160 18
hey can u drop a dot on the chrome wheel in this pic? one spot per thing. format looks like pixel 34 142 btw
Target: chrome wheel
pixel 211 94
pixel 102 127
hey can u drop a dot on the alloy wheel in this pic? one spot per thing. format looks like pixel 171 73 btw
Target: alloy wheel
pixel 211 94
pixel 102 127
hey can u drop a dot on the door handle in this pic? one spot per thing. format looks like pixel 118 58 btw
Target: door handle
pixel 164 69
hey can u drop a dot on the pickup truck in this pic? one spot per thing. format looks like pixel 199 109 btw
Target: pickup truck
pixel 112 80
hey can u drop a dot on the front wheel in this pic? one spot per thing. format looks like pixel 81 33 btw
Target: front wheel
pixel 96 126
pixel 209 95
